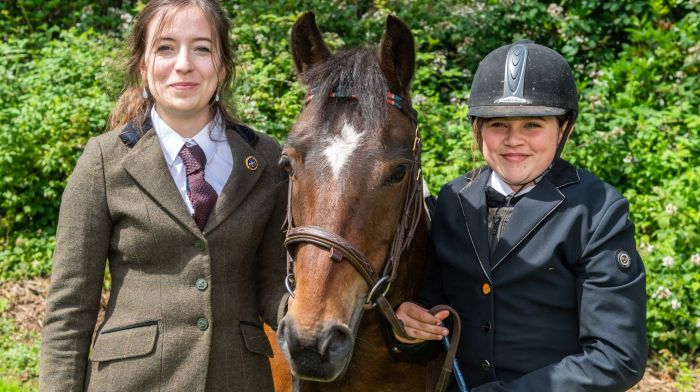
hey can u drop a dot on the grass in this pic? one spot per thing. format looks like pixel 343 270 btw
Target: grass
pixel 19 355
pixel 7 385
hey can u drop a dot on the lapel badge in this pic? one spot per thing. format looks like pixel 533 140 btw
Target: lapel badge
pixel 624 261
pixel 251 163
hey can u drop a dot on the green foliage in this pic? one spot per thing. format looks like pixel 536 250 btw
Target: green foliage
pixel 53 99
pixel 640 130
pixel 19 355
pixel 8 385
pixel 19 17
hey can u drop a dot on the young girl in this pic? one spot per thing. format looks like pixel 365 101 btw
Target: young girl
pixel 536 255
pixel 186 204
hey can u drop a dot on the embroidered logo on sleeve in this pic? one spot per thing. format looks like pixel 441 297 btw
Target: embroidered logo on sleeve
pixel 624 260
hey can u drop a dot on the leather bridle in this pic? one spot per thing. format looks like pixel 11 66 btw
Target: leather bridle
pixel 340 249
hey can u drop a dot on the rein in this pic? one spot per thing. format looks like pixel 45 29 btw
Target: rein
pixel 340 249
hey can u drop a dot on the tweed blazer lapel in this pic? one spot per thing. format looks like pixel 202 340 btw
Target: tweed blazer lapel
pixel 472 199
pixel 532 210
pixel 240 182
pixel 146 165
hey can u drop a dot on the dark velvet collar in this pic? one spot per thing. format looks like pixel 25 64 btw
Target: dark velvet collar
pixel 131 134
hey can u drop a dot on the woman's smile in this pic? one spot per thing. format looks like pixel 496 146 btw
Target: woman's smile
pixel 184 86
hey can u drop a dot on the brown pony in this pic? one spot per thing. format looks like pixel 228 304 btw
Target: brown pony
pixel 356 224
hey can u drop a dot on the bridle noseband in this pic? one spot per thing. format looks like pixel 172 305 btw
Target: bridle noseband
pixel 340 249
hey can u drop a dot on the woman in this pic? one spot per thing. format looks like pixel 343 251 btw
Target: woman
pixel 187 205
pixel 537 256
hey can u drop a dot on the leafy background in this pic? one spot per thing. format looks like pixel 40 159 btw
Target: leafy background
pixel 636 63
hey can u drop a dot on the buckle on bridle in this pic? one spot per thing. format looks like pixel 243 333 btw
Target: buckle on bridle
pixel 369 302
pixel 290 284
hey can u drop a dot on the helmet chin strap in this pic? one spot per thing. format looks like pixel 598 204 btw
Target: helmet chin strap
pixel 536 180
pixel 565 136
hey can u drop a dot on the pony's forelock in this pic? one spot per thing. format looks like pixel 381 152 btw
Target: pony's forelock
pixel 356 70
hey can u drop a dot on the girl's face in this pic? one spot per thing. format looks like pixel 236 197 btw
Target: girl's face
pixel 182 66
pixel 519 149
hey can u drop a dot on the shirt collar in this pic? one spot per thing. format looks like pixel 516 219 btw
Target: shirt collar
pixel 172 142
pixel 500 186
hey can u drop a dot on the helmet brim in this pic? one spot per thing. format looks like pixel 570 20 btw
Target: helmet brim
pixel 493 111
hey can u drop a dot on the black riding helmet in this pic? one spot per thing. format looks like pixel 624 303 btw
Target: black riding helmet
pixel 524 79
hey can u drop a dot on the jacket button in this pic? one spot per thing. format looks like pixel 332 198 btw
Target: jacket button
pixel 199 245
pixel 486 326
pixel 201 284
pixel 486 289
pixel 202 324
pixel 485 365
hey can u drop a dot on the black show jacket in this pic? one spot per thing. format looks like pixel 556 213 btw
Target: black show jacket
pixel 561 304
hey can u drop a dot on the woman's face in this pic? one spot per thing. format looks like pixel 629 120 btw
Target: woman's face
pixel 519 149
pixel 182 66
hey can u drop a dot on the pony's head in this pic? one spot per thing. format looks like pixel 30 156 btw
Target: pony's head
pixel 353 159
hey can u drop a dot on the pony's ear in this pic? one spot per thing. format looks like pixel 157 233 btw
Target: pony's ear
pixel 397 55
pixel 308 47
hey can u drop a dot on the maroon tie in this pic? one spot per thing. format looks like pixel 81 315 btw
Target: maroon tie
pixel 201 194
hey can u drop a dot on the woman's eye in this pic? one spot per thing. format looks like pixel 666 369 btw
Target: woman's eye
pixel 532 125
pixel 202 49
pixel 397 174
pixel 164 48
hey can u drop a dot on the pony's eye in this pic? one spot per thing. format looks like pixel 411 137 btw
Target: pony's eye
pixel 286 164
pixel 397 174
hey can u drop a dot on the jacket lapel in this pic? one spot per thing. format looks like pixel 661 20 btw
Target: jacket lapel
pixel 240 182
pixel 472 199
pixel 533 209
pixel 146 165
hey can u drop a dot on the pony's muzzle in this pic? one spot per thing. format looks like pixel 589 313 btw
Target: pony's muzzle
pixel 318 357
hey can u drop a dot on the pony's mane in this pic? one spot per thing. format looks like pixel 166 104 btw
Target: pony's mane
pixel 357 70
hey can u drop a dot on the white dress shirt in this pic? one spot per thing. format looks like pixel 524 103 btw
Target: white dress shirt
pixel 212 140
pixel 500 186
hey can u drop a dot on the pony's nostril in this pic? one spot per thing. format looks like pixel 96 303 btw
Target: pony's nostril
pixel 286 335
pixel 337 344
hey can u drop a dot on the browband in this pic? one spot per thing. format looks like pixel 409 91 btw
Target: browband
pixel 392 99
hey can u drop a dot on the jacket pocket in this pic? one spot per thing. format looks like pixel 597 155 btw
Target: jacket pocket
pixel 255 339
pixel 129 341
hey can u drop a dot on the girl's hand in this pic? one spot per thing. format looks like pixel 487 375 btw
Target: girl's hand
pixel 420 324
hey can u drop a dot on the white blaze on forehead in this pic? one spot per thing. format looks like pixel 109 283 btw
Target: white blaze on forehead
pixel 341 148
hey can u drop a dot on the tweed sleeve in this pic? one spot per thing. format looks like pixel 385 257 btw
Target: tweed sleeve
pixel 82 242
pixel 271 252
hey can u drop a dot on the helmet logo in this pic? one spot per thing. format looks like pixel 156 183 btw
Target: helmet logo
pixel 514 76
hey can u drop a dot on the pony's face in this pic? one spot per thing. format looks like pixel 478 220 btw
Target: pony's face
pixel 349 162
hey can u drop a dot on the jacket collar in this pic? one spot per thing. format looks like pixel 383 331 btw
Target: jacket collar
pixel 146 165
pixel 528 214
pixel 132 132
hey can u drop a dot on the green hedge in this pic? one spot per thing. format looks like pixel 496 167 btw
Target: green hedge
pixel 55 94
pixel 636 62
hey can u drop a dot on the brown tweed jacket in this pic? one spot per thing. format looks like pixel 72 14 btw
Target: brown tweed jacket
pixel 185 306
